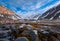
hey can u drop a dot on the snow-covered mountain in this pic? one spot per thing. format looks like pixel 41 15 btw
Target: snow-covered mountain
pixel 35 16
pixel 32 16
pixel 51 14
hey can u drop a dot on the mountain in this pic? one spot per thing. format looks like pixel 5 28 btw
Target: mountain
pixel 51 14
pixel 6 13
pixel 33 16
pixel 36 16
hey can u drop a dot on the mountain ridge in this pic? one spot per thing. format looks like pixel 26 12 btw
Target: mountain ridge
pixel 51 14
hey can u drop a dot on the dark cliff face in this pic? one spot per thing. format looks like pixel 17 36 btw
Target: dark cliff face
pixel 51 14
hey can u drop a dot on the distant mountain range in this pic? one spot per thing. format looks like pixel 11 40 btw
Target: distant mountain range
pixel 51 14
pixel 36 16
pixel 33 16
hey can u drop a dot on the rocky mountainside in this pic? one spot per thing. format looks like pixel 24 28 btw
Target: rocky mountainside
pixel 7 13
pixel 4 10
pixel 51 14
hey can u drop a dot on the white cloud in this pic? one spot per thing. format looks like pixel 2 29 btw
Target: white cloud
pixel 42 2
pixel 51 6
pixel 33 13
pixel 38 5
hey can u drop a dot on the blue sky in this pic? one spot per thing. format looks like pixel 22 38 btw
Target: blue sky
pixel 26 8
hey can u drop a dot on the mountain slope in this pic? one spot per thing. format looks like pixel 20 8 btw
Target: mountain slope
pixel 51 14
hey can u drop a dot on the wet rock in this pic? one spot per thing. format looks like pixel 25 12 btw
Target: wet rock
pixel 21 39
